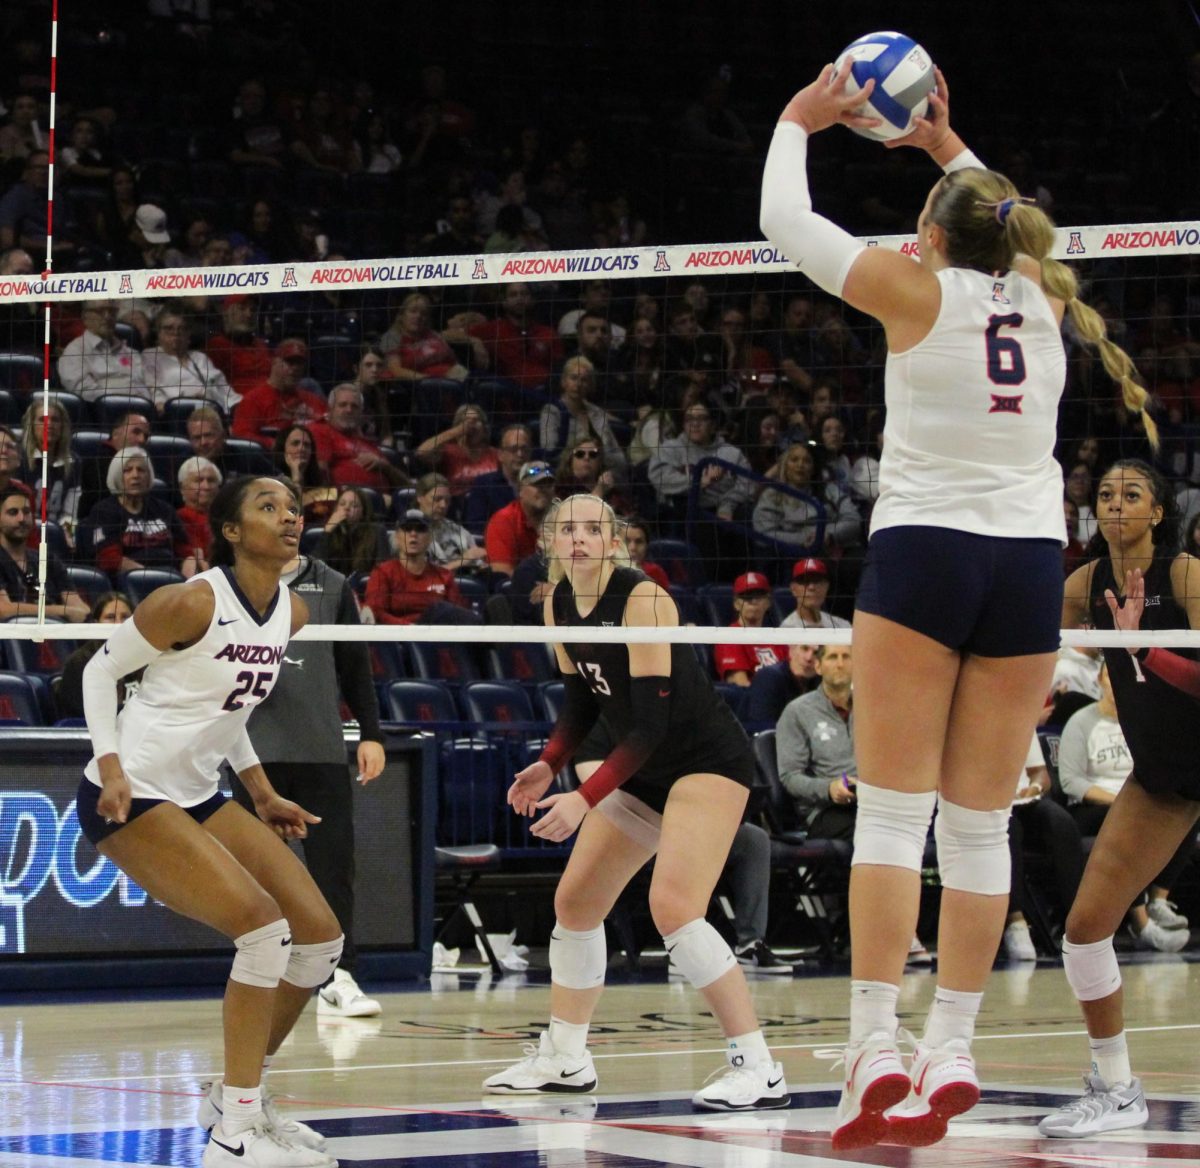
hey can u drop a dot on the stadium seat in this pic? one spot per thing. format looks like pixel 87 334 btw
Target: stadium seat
pixel 434 400
pixel 497 701
pixel 18 702
pixel 686 603
pixel 75 406
pixel 784 601
pixel 716 604
pixel 90 583
pixel 20 373
pixel 310 538
pixel 679 559
pixel 420 701
pixel 44 658
pixel 550 696
pixel 258 458
pixel 387 660
pixel 114 406
pixel 530 664
pixel 140 582
pixel 734 695
pixel 167 451
pixel 10 409
pixel 90 444
pixel 474 592
pixel 452 662
pixel 129 334
pixel 56 541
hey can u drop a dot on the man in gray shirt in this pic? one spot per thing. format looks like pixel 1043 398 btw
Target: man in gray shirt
pixel 815 745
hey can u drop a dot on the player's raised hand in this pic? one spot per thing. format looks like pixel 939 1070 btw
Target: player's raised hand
pixel 929 132
pixel 826 102
pixel 1128 616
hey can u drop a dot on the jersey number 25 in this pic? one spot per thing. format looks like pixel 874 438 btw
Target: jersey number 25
pixel 248 682
pixel 1005 361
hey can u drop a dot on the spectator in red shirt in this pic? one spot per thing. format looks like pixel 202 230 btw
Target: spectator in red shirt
pixel 463 452
pixel 199 481
pixel 517 345
pixel 409 589
pixel 751 602
pixel 637 543
pixel 512 533
pixel 415 349
pixel 268 407
pixel 239 353
pixel 344 451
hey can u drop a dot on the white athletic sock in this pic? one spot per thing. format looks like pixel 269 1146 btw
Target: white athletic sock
pixel 872 1009
pixel 751 1047
pixel 952 1015
pixel 568 1037
pixel 240 1107
pixel 1110 1059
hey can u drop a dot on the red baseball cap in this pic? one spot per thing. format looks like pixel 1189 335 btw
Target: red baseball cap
pixel 751 582
pixel 810 567
pixel 237 298
pixel 291 348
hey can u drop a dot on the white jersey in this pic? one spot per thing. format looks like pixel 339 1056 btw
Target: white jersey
pixel 193 704
pixel 972 412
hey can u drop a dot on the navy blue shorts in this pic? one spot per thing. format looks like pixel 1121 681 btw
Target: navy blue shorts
pixel 982 594
pixel 96 827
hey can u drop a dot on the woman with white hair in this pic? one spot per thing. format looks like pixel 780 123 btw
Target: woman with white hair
pixel 199 480
pixel 130 528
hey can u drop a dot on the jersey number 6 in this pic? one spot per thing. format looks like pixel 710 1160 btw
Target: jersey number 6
pixel 248 682
pixel 1005 361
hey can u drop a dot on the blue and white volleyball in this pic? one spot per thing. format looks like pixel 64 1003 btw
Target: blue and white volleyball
pixel 903 76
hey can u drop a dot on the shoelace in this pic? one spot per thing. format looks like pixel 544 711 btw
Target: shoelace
pixel 730 1074
pixel 905 1043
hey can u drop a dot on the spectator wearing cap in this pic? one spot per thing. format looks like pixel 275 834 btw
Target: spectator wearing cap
pixel 98 362
pixel 773 686
pixel 237 350
pixel 810 587
pixel 279 400
pixel 174 369
pixel 512 533
pixel 737 664
pixel 345 452
pixel 148 242
pixel 411 590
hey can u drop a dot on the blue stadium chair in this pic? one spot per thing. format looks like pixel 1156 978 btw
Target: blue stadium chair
pixel 679 559
pixel 686 603
pixel 258 458
pixel 75 406
pixel 90 444
pixel 88 582
pixel 167 451
pixel 734 695
pixel 529 664
pixel 56 541
pixel 20 373
pixel 550 696
pixel 177 411
pixel 44 658
pixel 110 408
pixel 310 537
pixel 420 701
pixel 434 400
pixel 10 409
pixel 405 499
pixel 129 334
pixel 18 701
pixel 716 604
pixel 451 663
pixel 472 780
pixel 474 592
pixel 387 661
pixel 497 701
pixel 785 602
pixel 140 582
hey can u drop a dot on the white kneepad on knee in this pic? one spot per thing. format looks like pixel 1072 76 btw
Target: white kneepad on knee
pixel 262 955
pixel 578 960
pixel 700 953
pixel 311 965
pixel 1092 970
pixel 972 849
pixel 891 826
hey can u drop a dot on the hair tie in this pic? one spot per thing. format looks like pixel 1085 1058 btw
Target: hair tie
pixel 1002 209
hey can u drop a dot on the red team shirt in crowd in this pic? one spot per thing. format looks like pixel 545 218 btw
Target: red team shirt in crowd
pixel 428 355
pixel 244 363
pixel 338 451
pixel 397 597
pixel 264 411
pixel 508 537
pixel 527 356
pixel 461 469
pixel 750 659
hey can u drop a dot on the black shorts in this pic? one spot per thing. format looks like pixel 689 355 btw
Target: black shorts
pixel 727 754
pixel 1185 784
pixel 982 594
pixel 97 828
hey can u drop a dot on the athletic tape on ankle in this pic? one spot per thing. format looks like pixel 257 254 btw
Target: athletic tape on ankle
pixel 578 960
pixel 1092 970
pixel 311 965
pixel 700 953
pixel 262 955
pixel 891 826
pixel 972 848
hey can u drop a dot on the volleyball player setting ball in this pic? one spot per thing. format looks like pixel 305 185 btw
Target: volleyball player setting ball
pixel 675 788
pixel 1137 580
pixel 958 609
pixel 149 801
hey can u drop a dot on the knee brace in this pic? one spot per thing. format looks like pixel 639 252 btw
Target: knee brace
pixel 891 826
pixel 311 965
pixel 700 953
pixel 262 955
pixel 578 960
pixel 972 849
pixel 1091 970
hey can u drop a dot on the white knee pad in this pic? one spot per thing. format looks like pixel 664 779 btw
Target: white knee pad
pixel 700 953
pixel 1092 971
pixel 972 849
pixel 262 955
pixel 578 960
pixel 891 826
pixel 311 965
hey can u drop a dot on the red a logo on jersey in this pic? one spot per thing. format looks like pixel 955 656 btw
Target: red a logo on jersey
pixel 1006 405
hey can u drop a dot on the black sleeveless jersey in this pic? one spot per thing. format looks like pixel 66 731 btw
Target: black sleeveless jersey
pixel 703 736
pixel 1161 723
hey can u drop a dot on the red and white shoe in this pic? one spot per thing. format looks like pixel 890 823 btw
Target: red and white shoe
pixel 944 1084
pixel 875 1080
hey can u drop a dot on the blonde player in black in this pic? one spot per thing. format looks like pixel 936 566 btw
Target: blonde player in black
pixel 693 770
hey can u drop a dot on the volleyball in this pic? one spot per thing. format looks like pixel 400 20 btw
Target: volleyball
pixel 903 76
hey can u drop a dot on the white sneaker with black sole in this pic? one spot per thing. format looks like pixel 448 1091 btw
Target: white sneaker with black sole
pixel 1099 1109
pixel 1154 936
pixel 209 1115
pixel 260 1146
pixel 745 1088
pixel 1165 913
pixel 757 958
pixel 544 1070
pixel 342 997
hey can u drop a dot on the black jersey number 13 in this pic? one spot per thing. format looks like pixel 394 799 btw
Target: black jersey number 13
pixel 594 678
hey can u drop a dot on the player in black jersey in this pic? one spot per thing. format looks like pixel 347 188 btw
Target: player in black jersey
pixel 1159 804
pixel 693 768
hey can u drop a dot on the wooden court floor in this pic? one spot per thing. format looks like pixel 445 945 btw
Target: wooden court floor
pixel 106 1081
